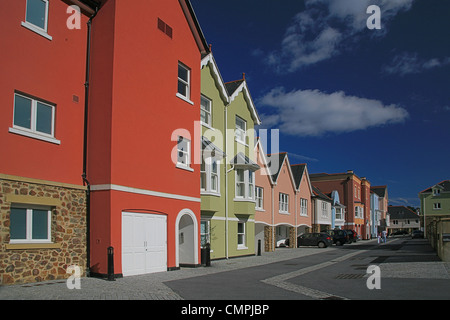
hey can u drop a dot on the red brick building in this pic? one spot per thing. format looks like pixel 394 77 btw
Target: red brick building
pixel 355 195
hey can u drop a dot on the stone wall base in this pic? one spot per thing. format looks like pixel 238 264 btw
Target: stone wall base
pixel 35 262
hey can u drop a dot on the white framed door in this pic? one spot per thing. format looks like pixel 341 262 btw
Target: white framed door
pixel 144 243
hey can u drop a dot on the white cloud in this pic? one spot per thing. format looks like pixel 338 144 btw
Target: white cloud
pixel 326 27
pixel 314 113
pixel 410 63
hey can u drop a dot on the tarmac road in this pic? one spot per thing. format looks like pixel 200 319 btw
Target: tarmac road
pixel 408 269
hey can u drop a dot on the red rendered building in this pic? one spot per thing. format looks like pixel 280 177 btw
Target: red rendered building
pixel 43 226
pixel 144 105
pixel 117 169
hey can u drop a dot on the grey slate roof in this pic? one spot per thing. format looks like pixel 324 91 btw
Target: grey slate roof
pixel 445 185
pixel 379 190
pixel 319 194
pixel 233 85
pixel 401 212
pixel 275 171
pixel 297 172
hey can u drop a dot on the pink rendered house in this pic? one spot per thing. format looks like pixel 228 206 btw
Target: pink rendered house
pixel 283 200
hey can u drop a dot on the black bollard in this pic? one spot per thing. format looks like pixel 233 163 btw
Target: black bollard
pixel 208 255
pixel 259 247
pixel 111 264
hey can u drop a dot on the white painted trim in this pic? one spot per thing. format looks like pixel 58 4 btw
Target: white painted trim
pixel 115 187
pixel 243 87
pixel 36 29
pixel 209 59
pixel 33 135
pixel 184 98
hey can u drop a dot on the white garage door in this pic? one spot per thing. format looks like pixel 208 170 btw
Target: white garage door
pixel 144 243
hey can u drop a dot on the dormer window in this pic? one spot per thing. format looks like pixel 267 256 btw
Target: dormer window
pixel 436 192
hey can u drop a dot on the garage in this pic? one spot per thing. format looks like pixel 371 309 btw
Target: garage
pixel 144 243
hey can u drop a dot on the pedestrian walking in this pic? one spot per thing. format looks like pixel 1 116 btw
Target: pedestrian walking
pixel 384 236
pixel 379 238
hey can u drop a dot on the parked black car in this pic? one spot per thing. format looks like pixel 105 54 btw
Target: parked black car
pixel 340 237
pixel 352 236
pixel 322 240
pixel 417 234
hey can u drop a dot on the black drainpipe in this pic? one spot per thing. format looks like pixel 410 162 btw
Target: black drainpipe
pixel 84 175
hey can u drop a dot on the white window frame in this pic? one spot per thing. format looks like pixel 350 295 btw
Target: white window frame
pixel 29 25
pixel 242 236
pixel 29 224
pixel 259 198
pixel 206 170
pixel 303 207
pixel 339 215
pixel 187 84
pixel 359 212
pixel 436 192
pixel 32 132
pixel 283 204
pixel 324 209
pixel 187 154
pixel 248 185
pixel 208 102
pixel 437 206
pixel 240 133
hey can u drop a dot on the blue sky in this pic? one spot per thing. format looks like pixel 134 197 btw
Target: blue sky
pixel 345 97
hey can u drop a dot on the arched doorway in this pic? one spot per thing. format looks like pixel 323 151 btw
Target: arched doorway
pixel 186 239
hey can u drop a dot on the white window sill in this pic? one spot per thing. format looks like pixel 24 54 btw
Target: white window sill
pixel 260 209
pixel 284 212
pixel 24 241
pixel 244 200
pixel 37 30
pixel 34 135
pixel 184 98
pixel 209 193
pixel 180 166
pixel 242 247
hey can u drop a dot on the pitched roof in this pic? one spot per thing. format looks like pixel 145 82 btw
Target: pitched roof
pixel 208 59
pixel 234 88
pixel 264 160
pixel 443 185
pixel 298 170
pixel 275 167
pixel 401 212
pixel 319 194
pixel 195 26
pixel 379 190
pixel 242 161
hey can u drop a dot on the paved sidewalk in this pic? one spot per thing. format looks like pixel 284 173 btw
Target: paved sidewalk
pixel 152 287
pixel 142 287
